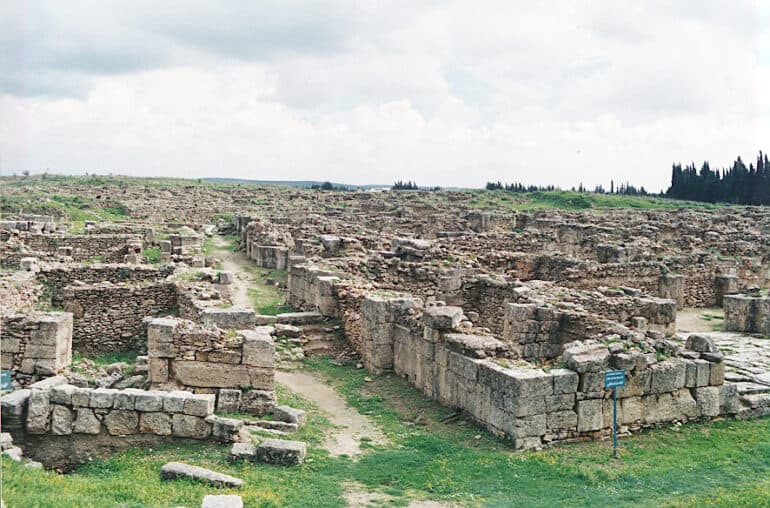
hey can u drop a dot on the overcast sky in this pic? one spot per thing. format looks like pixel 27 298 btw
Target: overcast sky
pixel 444 93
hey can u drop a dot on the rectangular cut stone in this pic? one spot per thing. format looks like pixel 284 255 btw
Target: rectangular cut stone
pixel 203 374
pixel 155 423
pixel 589 415
pixel 707 399
pixel 564 381
pixel 632 410
pixel 667 376
pixel 561 421
pixel 229 400
pixel 158 370
pixel 119 422
pixel 62 394
pixel 717 374
pixel 258 350
pixel 224 356
pixel 39 412
pixel 199 405
pixel 561 402
pixel 86 422
pixel 529 426
pixel 702 373
pixel 148 401
pixel 61 421
pixel 102 398
pixel 190 426
pixel 173 402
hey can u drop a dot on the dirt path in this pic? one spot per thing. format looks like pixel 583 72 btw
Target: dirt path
pixel 692 321
pixel 351 425
pixel 236 263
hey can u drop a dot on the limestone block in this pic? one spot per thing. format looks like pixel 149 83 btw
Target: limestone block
pixel 562 402
pixel 119 422
pixel 591 382
pixel 86 422
pixel 659 408
pixel 529 426
pixel 667 376
pixel 632 410
pixel 190 426
pixel 564 381
pixel 155 423
pixel 204 374
pixel 281 452
pixel 289 415
pixel 686 406
pixel 589 415
pixel 160 338
pixel 702 372
pixel 707 399
pixel 716 374
pixel 225 356
pixel 124 399
pixel 258 350
pixel 174 470
pixel 199 404
pixel 173 402
pixel 562 420
pixel 586 357
pixel 607 413
pixel 222 501
pixel 149 401
pixel 62 394
pixel 257 402
pixel 523 406
pixel 701 344
pixel 61 420
pixel 229 400
pixel 158 370
pixel 102 398
pixel 442 318
pixel 728 399
pixel 241 451
pixel 225 430
pixel 39 412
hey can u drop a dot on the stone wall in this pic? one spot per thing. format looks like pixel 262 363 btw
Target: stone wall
pixel 19 292
pixel 58 276
pixel 312 288
pixel 82 419
pixel 109 317
pixel 533 406
pixel 36 345
pixel 268 256
pixel 237 367
pixel 83 247
pixel 747 313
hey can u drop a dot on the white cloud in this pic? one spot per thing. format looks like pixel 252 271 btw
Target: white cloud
pixel 454 94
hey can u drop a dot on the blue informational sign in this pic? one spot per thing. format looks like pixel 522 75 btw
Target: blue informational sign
pixel 614 378
pixel 5 380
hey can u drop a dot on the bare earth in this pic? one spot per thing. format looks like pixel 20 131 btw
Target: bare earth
pixel 235 262
pixel 351 425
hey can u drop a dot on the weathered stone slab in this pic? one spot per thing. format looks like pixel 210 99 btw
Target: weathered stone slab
pixel 281 452
pixel 176 470
pixel 224 501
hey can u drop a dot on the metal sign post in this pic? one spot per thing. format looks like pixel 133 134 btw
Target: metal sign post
pixel 614 379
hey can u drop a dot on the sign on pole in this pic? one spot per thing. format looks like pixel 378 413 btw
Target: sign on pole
pixel 614 379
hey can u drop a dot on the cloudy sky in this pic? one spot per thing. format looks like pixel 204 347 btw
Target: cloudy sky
pixel 444 93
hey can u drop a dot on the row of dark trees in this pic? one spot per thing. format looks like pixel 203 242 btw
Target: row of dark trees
pixel 738 184
pixel 625 189
pixel 408 185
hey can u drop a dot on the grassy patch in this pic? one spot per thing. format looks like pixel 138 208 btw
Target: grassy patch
pixel 152 255
pixel 723 463
pixel 128 357
pixel 569 200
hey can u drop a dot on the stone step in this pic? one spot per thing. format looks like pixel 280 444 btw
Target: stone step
pixel 299 318
pixel 223 501
pixel 176 470
pixel 746 388
pixel 271 451
pixel 274 425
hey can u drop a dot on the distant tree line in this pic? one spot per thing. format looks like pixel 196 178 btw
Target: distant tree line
pixel 401 185
pixel 738 184
pixel 329 186
pixel 625 189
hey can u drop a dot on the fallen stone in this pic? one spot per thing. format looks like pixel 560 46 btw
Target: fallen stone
pixel 176 470
pixel 289 415
pixel 224 501
pixel 281 452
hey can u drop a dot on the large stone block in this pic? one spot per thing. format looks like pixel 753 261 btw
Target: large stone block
pixel 39 412
pixel 589 415
pixel 200 404
pixel 707 399
pixel 86 422
pixel 281 452
pixel 667 376
pixel 155 423
pixel 442 318
pixel 213 375
pixel 229 400
pixel 148 401
pixel 258 349
pixel 173 402
pixel 190 426
pixel 529 426
pixel 102 398
pixel 586 357
pixel 564 381
pixel 61 421
pixel 559 421
pixel 119 422
pixel 716 373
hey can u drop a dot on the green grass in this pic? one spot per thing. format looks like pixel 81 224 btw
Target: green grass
pixel 724 463
pixel 152 255
pixel 128 357
pixel 569 200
